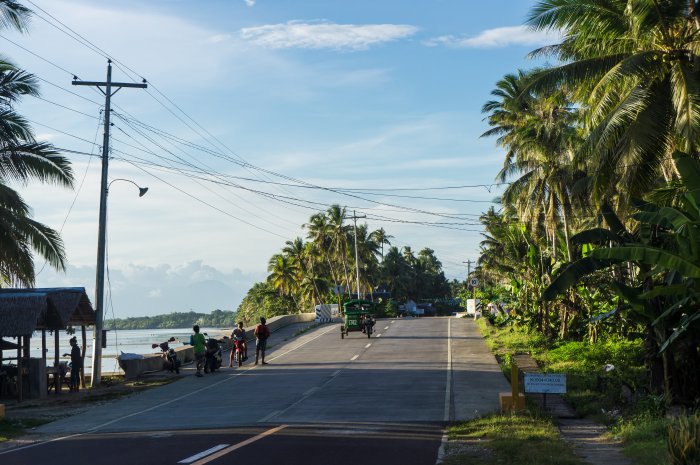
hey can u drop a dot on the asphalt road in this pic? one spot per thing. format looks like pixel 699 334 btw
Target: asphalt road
pixel 321 400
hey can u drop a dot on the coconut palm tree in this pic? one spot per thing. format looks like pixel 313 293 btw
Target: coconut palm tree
pixel 283 276
pixel 22 160
pixel 634 67
pixel 539 131
pixel 380 237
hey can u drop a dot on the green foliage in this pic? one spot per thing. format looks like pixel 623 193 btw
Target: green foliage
pixel 644 439
pixel 263 300
pixel 217 318
pixel 684 440
pixel 522 439
pixel 13 428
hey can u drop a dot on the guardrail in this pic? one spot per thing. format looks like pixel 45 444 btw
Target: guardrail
pixel 154 362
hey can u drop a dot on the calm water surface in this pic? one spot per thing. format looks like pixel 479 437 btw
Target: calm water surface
pixel 137 341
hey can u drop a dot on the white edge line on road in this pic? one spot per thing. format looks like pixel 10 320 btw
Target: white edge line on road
pixel 310 391
pixel 221 453
pixel 393 321
pixel 335 373
pixel 368 345
pixel 354 357
pixel 379 335
pixel 448 385
pixel 386 327
pixel 93 429
pixel 197 391
pixel 204 453
pixel 271 415
pixel 448 393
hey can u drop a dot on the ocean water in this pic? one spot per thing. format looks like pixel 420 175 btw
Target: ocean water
pixel 137 341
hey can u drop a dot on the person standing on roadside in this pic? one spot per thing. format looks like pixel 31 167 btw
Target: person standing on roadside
pixel 197 341
pixel 76 363
pixel 261 335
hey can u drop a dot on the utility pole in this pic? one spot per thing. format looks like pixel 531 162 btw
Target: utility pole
pixel 96 373
pixel 357 255
pixel 469 268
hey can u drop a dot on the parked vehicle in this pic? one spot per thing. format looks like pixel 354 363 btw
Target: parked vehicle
pixel 171 362
pixel 213 356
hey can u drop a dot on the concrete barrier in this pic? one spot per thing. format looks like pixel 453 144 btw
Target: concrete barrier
pixel 154 362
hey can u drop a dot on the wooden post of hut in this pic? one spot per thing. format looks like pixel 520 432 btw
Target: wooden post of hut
pixel 57 363
pixel 19 369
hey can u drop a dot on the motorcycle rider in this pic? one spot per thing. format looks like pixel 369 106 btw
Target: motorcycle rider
pixel 238 334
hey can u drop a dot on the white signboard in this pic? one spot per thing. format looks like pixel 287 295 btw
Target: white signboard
pixel 473 306
pixel 545 383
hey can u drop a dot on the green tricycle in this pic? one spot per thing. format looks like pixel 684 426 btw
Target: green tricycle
pixel 359 316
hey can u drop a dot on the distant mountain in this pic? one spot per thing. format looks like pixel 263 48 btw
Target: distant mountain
pixel 217 318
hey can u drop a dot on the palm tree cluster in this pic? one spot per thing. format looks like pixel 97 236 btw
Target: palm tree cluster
pixel 598 221
pixel 322 268
pixel 23 159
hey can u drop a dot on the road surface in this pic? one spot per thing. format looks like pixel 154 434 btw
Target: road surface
pixel 321 400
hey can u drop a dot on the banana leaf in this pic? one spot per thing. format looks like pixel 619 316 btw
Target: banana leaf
pixel 595 236
pixel 689 170
pixel 651 256
pixel 573 273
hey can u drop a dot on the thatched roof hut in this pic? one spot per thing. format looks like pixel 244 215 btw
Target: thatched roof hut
pixel 22 311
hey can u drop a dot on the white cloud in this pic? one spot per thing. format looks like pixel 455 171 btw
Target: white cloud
pixel 250 3
pixel 499 37
pixel 318 35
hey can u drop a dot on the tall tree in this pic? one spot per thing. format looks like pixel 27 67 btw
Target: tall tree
pixel 22 160
pixel 634 65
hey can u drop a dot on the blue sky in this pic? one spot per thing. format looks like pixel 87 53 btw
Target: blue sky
pixel 365 95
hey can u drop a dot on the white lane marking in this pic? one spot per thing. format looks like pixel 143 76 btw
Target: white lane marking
pixel 386 327
pixel 238 373
pixel 379 335
pixel 223 452
pixel 441 450
pixel 335 373
pixel 393 321
pixel 354 357
pixel 204 453
pixel 448 384
pixel 271 415
pixel 310 391
pixel 197 391
pixel 368 345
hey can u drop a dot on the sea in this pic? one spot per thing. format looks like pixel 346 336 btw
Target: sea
pixel 136 341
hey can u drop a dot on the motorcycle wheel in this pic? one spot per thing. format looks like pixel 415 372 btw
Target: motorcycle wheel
pixel 239 356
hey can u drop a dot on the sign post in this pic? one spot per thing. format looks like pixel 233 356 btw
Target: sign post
pixel 545 383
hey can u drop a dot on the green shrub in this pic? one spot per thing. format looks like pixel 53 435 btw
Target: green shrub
pixel 684 440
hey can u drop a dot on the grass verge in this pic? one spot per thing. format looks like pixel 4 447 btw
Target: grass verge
pixel 525 439
pixel 10 429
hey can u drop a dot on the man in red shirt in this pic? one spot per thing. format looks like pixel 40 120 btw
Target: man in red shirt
pixel 261 334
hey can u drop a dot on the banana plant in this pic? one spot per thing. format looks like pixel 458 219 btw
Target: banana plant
pixel 662 256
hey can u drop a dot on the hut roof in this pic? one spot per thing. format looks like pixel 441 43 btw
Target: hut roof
pixel 63 306
pixel 20 312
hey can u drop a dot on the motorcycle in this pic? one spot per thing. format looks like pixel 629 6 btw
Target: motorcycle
pixel 213 357
pixel 238 350
pixel 171 362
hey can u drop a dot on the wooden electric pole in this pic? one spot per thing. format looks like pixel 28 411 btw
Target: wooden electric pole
pixel 96 372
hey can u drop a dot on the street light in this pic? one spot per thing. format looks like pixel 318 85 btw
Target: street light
pixel 96 372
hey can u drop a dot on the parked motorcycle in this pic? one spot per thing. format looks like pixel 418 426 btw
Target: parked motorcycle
pixel 213 356
pixel 171 362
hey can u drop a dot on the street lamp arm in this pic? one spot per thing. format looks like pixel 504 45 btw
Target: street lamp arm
pixel 142 190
